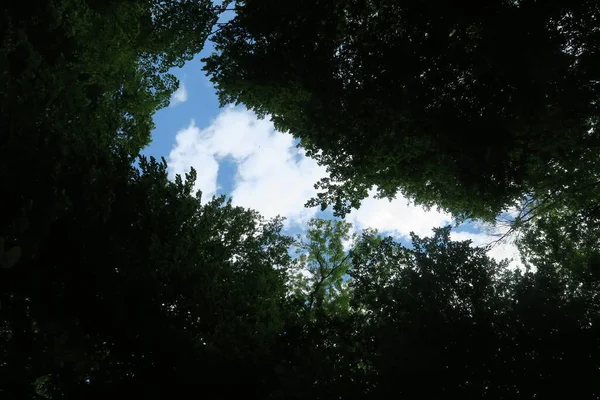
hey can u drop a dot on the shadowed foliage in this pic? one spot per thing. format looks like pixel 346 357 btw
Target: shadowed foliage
pixel 463 105
pixel 116 281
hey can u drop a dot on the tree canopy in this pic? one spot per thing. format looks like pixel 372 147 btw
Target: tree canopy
pixel 116 281
pixel 467 106
pixel 445 309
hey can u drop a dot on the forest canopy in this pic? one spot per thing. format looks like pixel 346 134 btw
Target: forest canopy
pixel 116 281
pixel 464 106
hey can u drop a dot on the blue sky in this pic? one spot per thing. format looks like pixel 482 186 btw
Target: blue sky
pixel 244 158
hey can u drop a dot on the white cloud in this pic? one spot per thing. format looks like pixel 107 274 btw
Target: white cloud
pixel 179 96
pixel 191 150
pixel 273 182
pixel 500 249
pixel 273 177
pixel 397 217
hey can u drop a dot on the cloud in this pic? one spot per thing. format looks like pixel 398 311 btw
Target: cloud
pixel 179 96
pixel 397 217
pixel 500 250
pixel 275 181
pixel 191 150
pixel 273 177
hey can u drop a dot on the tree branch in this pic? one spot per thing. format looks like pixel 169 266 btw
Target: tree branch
pixel 323 279
pixel 221 25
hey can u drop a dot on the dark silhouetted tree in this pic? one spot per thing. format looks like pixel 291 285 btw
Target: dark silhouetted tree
pixel 467 106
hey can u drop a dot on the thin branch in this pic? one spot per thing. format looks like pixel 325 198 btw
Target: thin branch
pixel 220 25
pixel 324 278
pixel 525 216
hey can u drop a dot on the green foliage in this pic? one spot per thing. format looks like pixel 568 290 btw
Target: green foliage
pixel 442 102
pixel 79 84
pixel 118 282
pixel 95 246
pixel 164 286
pixel 320 267
pixel 567 238
pixel 444 308
pixel 319 315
